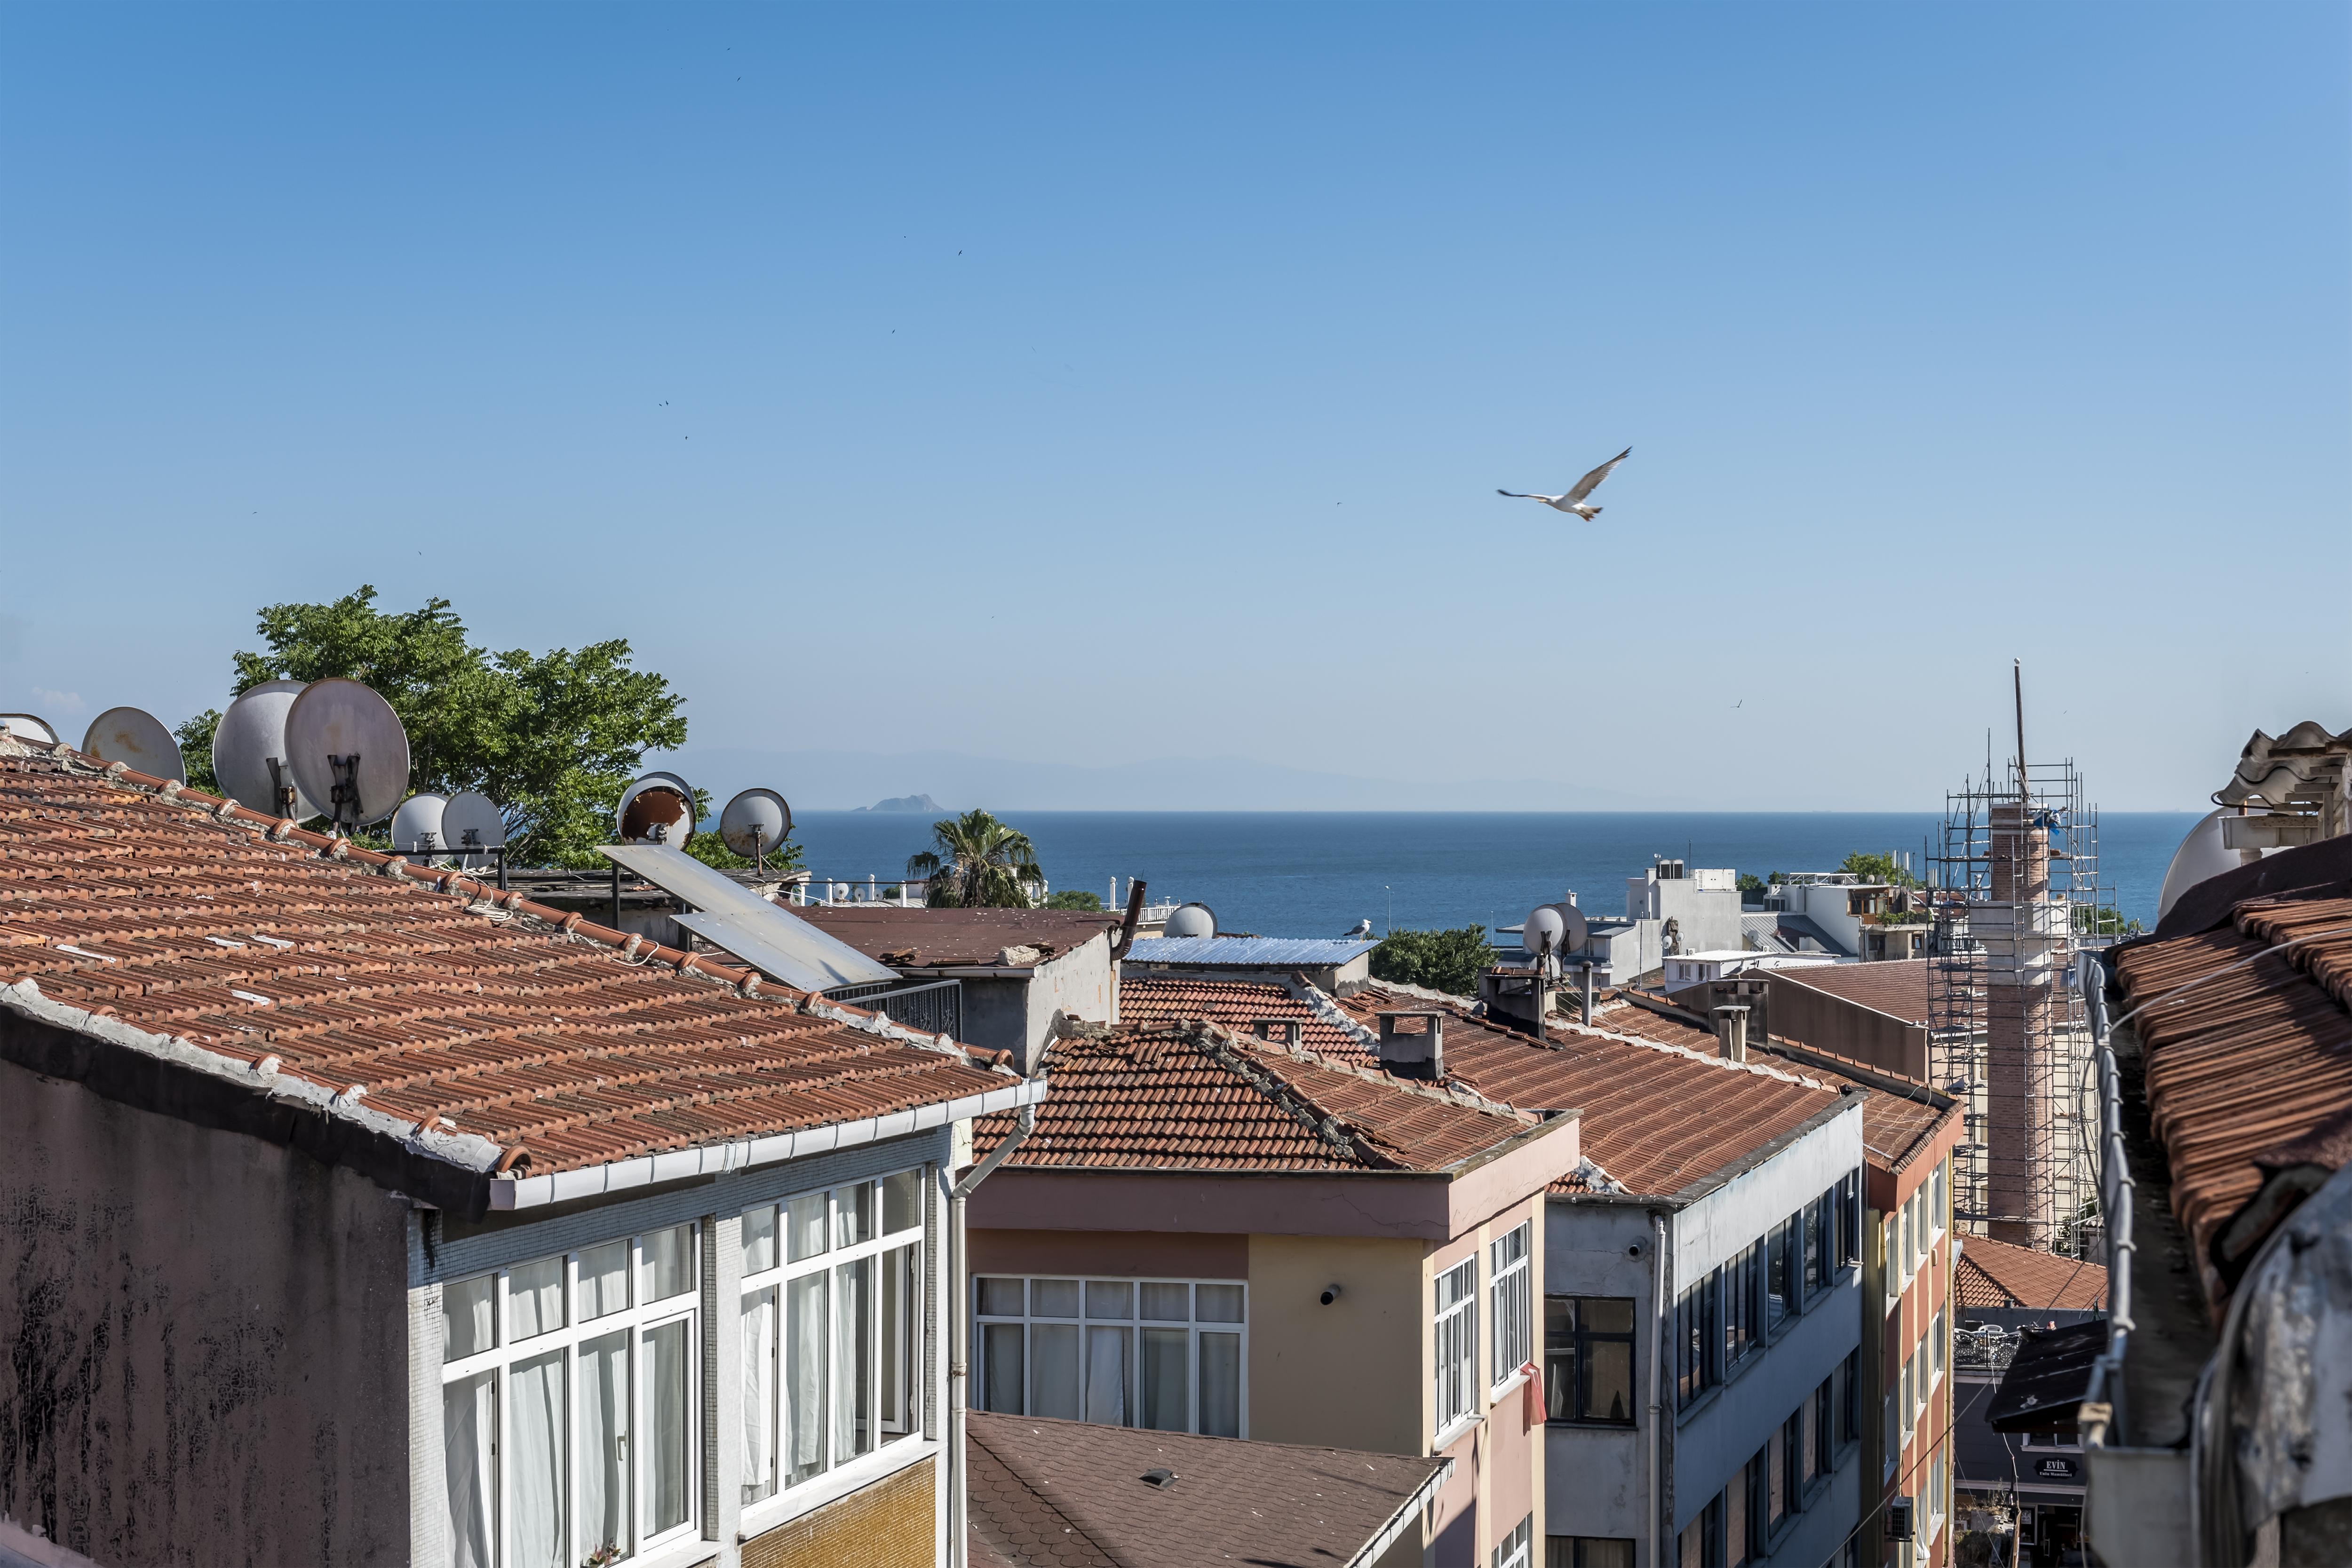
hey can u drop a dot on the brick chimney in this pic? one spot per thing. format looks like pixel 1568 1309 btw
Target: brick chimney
pixel 1412 1044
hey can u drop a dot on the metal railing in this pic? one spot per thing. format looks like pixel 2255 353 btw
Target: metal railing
pixel 933 1007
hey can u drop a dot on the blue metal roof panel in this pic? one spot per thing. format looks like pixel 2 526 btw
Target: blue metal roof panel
pixel 1247 952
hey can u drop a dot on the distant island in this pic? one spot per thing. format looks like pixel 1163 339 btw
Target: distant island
pixel 903 803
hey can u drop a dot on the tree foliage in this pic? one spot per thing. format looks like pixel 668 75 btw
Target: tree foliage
pixel 1448 961
pixel 977 863
pixel 1076 898
pixel 552 738
pixel 1752 886
pixel 1877 868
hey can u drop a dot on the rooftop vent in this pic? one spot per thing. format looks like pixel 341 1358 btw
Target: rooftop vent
pixel 1163 1479
pixel 1191 920
pixel 1731 1032
pixel 1412 1044
pixel 1282 1031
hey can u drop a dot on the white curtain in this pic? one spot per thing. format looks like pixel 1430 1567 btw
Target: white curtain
pixel 535 1469
pixel 604 1280
pixel 1167 1379
pixel 1220 1385
pixel 536 1292
pixel 603 1427
pixel 852 1359
pixel 804 1379
pixel 1053 1376
pixel 758 1394
pixel 666 1360
pixel 469 1416
pixel 465 1317
pixel 1108 1354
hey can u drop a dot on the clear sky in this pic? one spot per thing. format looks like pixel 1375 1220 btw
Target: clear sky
pixel 1104 383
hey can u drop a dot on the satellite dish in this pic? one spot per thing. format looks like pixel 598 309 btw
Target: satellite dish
pixel 1191 920
pixel 470 823
pixel 137 739
pixel 754 822
pixel 416 826
pixel 347 748
pixel 2201 854
pixel 24 727
pixel 656 808
pixel 1543 931
pixel 250 752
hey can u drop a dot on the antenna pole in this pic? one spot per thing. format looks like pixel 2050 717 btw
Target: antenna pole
pixel 2017 676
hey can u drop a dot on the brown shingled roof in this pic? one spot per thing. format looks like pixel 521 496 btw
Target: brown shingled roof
pixel 1902 1114
pixel 1071 1494
pixel 1657 1119
pixel 1146 997
pixel 1996 1274
pixel 1897 987
pixel 311 962
pixel 916 938
pixel 1196 1096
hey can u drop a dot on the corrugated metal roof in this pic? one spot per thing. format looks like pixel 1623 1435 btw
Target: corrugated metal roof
pixel 1248 952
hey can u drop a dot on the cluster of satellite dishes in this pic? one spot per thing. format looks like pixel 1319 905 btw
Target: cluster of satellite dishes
pixel 335 748
pixel 1551 930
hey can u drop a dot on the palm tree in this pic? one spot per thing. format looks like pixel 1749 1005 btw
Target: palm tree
pixel 978 862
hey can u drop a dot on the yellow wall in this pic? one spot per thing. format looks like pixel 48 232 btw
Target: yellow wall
pixel 889 1524
pixel 1348 1375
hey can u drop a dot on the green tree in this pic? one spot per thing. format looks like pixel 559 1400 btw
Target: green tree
pixel 977 863
pixel 1877 868
pixel 552 738
pixel 1076 898
pixel 1752 886
pixel 1448 961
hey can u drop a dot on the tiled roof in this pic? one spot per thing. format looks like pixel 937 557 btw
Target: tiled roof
pixel 1898 987
pixel 1196 1096
pixel 1996 1274
pixel 1145 998
pixel 2256 1056
pixel 1658 1118
pixel 1902 1114
pixel 1652 1020
pixel 914 938
pixel 1249 952
pixel 1071 1494
pixel 501 1033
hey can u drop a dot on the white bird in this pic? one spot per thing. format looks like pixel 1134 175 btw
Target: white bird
pixel 1361 928
pixel 1574 500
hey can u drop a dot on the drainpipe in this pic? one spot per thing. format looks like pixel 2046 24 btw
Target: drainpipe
pixel 1134 917
pixel 1657 1345
pixel 959 1335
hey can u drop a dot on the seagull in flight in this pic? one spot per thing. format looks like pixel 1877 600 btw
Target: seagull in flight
pixel 1361 928
pixel 1574 500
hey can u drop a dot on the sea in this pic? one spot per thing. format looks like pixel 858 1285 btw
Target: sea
pixel 1316 874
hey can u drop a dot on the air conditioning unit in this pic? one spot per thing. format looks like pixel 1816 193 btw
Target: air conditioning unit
pixel 1898 1519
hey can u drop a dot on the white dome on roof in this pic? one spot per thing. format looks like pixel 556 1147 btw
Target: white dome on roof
pixel 2201 855
pixel 1191 920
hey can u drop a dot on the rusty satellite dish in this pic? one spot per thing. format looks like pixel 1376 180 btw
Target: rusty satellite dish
pixel 349 749
pixel 250 752
pixel 659 808
pixel 137 739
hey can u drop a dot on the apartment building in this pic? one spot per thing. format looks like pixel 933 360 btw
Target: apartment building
pixel 1220 1230
pixel 359 1213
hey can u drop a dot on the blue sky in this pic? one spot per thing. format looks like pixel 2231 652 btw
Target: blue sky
pixel 1097 384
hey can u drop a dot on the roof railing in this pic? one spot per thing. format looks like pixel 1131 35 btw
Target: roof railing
pixel 2103 1415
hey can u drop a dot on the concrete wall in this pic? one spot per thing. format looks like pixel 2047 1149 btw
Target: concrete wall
pixel 206 1340
pixel 1015 1010
pixel 1308 1362
pixel 1595 1477
pixel 1799 1012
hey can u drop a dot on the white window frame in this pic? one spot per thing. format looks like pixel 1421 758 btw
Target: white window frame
pixel 1510 1287
pixel 639 1318
pixel 1134 1321
pixel 1455 1335
pixel 1517 1549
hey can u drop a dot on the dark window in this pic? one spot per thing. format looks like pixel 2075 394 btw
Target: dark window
pixel 1793 1463
pixel 1849 1220
pixel 1743 1298
pixel 1823 1434
pixel 1710 1532
pixel 1588 1359
pixel 1849 1398
pixel 1699 1329
pixel 1587 1552
pixel 1759 1502
pixel 1780 1283
pixel 1816 1253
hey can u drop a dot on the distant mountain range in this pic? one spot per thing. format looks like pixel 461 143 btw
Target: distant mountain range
pixel 846 780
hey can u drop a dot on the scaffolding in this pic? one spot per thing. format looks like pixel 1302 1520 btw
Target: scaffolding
pixel 2016 895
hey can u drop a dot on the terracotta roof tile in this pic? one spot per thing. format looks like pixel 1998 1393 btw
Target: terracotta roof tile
pixel 1897 986
pixel 1902 1114
pixel 917 938
pixel 1996 1274
pixel 1145 998
pixel 535 1031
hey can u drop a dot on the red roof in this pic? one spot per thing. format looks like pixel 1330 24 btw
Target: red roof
pixel 1996 1274
pixel 918 938
pixel 1658 1119
pixel 1145 997
pixel 1902 1115
pixel 448 1009
pixel 1196 1096
pixel 1897 986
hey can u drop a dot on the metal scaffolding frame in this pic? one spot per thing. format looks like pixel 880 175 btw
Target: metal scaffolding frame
pixel 2007 1030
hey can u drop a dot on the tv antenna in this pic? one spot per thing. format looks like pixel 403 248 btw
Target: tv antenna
pixel 754 822
pixel 249 751
pixel 657 808
pixel 346 746
pixel 137 739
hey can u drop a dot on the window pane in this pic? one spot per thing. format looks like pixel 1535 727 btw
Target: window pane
pixel 804 1373
pixel 535 1475
pixel 902 1201
pixel 1606 1314
pixel 852 1359
pixel 1167 1379
pixel 1219 1303
pixel 1055 1299
pixel 469 1416
pixel 604 1280
pixel 666 1416
pixel 1220 1385
pixel 902 1345
pixel 1000 1298
pixel 1110 1299
pixel 759 1394
pixel 535 1297
pixel 1169 1304
pixel 1001 1390
pixel 854 1214
pixel 804 1226
pixel 1110 1354
pixel 1609 1376
pixel 760 1239
pixel 1053 1380
pixel 669 1262
pixel 467 1323
pixel 603 1441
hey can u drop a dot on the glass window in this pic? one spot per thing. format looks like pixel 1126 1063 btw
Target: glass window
pixel 1793 1463
pixel 804 1226
pixel 1815 1216
pixel 1698 1334
pixel 469 1324
pixel 853 1214
pixel 669 1262
pixel 902 1202
pixel 1128 1352
pixel 535 1299
pixel 1781 1284
pixel 760 1239
pixel 1587 1552
pixel 468 1428
pixel 604 1280
pixel 1514 1550
pixel 1457 1327
pixel 1510 1288
pixel 1743 1301
pixel 1588 1359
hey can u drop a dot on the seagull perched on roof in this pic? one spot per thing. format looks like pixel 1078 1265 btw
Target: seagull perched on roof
pixel 1574 500
pixel 1361 928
